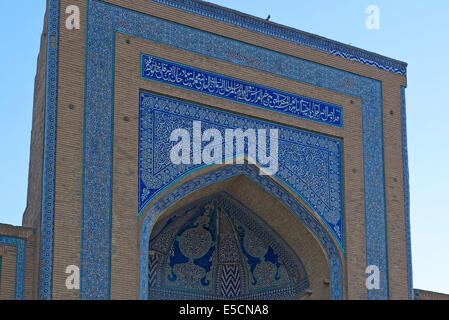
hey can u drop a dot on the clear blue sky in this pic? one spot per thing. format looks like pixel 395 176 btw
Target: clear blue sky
pixel 416 32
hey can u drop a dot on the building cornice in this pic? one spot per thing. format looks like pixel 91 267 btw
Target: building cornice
pixel 279 31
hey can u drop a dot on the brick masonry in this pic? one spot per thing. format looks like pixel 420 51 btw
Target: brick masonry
pixel 429 295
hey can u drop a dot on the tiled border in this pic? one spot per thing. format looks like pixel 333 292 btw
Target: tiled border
pixel 406 194
pixel 19 282
pixel 214 84
pixel 335 264
pixel 103 20
pixel 289 34
pixel 48 194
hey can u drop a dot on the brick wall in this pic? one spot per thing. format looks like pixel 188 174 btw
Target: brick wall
pixel 33 211
pixel 429 295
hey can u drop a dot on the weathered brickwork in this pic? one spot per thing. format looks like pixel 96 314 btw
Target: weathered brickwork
pixel 98 226
pixel 429 295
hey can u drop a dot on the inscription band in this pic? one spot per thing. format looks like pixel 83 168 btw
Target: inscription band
pixel 179 75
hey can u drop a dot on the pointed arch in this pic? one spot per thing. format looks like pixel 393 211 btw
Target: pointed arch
pixel 180 191
pixel 216 247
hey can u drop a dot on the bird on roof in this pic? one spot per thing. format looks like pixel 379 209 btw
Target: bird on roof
pixel 268 18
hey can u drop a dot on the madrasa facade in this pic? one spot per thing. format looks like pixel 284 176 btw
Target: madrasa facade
pixel 182 150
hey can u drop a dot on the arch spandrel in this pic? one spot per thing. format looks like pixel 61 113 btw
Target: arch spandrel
pixel 309 163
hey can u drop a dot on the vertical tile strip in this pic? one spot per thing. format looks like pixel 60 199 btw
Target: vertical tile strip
pixel 48 194
pixel 97 155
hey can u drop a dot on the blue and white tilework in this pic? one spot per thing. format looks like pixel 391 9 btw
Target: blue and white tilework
pixel 19 281
pixel 48 194
pixel 217 85
pixel 103 21
pixel 289 34
pixel 216 248
pixel 266 183
pixel 310 164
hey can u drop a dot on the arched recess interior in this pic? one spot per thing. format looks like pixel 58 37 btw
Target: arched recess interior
pixel 176 196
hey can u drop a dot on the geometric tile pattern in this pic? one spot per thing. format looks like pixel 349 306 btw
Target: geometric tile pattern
pixel 153 263
pixel 289 34
pixel 309 163
pixel 216 248
pixel 213 84
pixel 19 281
pixel 230 281
pixel 48 189
pixel 267 184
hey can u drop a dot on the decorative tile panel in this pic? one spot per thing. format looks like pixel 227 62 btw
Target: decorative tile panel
pixel 265 183
pixel 216 248
pixel 217 85
pixel 19 280
pixel 310 164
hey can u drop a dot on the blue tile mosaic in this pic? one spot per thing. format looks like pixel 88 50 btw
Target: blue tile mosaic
pixel 216 248
pixel 103 21
pixel 19 280
pixel 48 194
pixel 289 34
pixel 406 195
pixel 266 183
pixel 217 85
pixel 309 163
